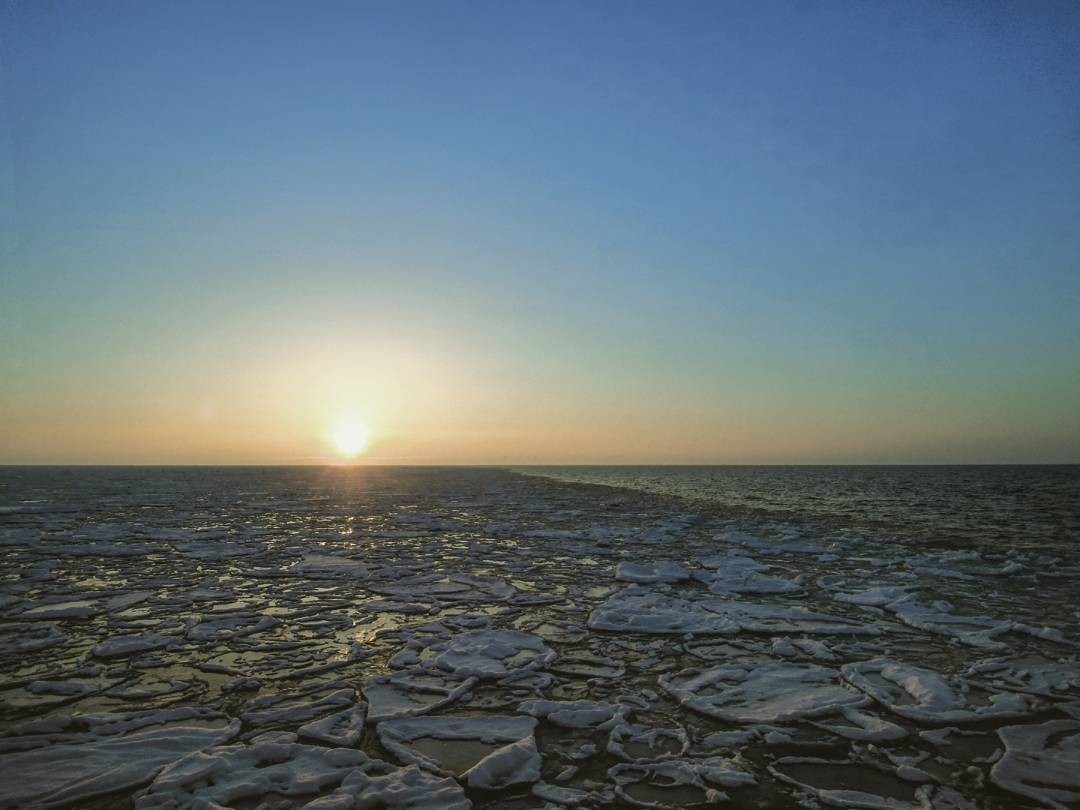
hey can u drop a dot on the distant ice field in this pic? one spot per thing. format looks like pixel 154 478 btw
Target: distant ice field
pixel 1000 507
pixel 468 637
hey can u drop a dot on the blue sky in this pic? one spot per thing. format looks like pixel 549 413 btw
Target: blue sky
pixel 527 232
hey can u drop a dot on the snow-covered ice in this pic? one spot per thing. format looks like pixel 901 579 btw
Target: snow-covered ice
pixel 927 696
pixel 64 774
pixel 769 693
pixel 1041 762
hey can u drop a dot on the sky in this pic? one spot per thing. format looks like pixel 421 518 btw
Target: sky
pixel 539 232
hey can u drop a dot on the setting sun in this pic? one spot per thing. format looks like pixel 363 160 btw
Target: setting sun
pixel 350 436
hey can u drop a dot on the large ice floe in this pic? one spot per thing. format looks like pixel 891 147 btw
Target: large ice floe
pixel 1041 762
pixel 422 638
pixel 663 571
pixel 63 774
pixel 739 574
pixel 275 764
pixel 926 696
pixel 487 654
pixel 769 693
pixel 642 610
pixel 1051 680
pixel 978 631
pixel 576 713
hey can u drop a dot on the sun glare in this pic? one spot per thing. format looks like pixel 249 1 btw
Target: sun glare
pixel 350 436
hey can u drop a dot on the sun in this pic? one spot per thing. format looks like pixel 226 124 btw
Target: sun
pixel 350 436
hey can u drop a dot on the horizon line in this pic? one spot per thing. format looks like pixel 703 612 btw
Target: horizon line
pixel 505 465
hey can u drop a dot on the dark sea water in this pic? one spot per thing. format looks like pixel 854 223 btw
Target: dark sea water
pixel 1031 507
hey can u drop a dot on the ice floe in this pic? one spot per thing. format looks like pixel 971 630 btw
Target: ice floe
pixel 510 765
pixel 341 728
pixel 737 574
pixel 1041 762
pixel 879 596
pixel 274 764
pixel 294 708
pixel 412 692
pixel 18 637
pixel 401 789
pixel 863 726
pixel 1052 680
pixel 928 697
pixel 488 654
pixel 678 782
pixel 640 610
pixel 120 646
pixel 455 745
pixel 846 783
pixel 456 587
pixel 768 693
pixel 597 716
pixel 664 571
pixel 639 743
pixel 64 774
pixel 977 631
pixel 643 610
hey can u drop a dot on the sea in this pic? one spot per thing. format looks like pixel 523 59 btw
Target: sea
pixel 1027 507
pixel 537 637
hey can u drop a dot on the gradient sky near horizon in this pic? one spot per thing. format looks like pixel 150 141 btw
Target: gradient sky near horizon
pixel 540 232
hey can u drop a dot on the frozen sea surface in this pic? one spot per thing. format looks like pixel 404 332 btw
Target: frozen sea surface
pixel 1010 506
pixel 396 637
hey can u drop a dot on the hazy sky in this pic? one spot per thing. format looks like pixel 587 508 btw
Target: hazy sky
pixel 540 232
